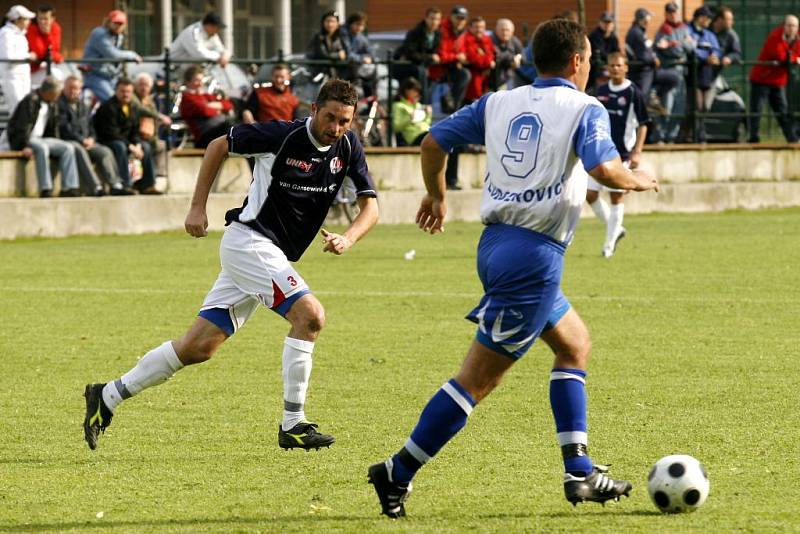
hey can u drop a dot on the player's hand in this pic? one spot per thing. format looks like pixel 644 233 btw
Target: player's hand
pixel 196 223
pixel 646 179
pixel 336 243
pixel 431 213
pixel 634 159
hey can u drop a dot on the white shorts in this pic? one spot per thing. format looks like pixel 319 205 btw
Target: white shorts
pixel 593 185
pixel 254 270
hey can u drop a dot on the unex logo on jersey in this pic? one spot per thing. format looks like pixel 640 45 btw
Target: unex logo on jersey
pixel 302 165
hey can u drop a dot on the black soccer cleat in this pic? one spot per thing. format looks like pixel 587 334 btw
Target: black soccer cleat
pixel 303 436
pixel 98 416
pixel 392 496
pixel 595 487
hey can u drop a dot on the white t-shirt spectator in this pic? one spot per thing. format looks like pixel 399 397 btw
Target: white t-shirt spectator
pixel 194 43
pixel 41 121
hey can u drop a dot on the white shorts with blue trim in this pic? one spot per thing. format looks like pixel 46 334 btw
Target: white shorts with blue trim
pixel 254 271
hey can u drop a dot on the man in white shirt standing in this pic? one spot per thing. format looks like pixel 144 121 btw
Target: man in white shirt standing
pixel 200 41
pixel 15 78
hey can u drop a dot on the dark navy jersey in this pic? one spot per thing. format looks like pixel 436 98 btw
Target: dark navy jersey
pixel 295 180
pixel 627 110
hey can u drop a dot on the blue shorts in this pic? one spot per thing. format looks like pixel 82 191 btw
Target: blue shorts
pixel 521 274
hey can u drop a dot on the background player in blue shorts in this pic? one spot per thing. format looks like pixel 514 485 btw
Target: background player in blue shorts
pixel 299 167
pixel 627 111
pixel 540 142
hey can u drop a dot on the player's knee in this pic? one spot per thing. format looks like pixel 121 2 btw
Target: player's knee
pixel 195 351
pixel 576 355
pixel 308 315
pixel 315 318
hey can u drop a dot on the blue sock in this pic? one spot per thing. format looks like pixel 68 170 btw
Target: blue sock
pixel 441 419
pixel 568 402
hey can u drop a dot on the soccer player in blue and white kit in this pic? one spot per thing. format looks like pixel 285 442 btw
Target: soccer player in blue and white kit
pixel 299 167
pixel 627 111
pixel 541 140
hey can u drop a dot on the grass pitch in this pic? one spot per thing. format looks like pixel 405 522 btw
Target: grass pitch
pixel 695 330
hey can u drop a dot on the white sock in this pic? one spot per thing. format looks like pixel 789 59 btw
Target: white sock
pixel 296 372
pixel 614 227
pixel 152 369
pixel 600 208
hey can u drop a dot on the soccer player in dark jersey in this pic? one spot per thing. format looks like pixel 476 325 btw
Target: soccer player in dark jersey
pixel 627 110
pixel 299 168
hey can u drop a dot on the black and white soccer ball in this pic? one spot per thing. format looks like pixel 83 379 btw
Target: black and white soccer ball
pixel 678 483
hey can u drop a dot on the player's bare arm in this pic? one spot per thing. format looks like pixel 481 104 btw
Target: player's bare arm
pixel 367 218
pixel 432 208
pixel 615 175
pixel 636 153
pixel 196 223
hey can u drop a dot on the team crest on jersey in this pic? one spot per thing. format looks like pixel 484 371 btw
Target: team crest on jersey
pixel 336 164
pixel 302 165
pixel 621 100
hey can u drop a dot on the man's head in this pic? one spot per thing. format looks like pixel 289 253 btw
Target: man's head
pixel 72 88
pixel 50 89
pixel 606 22
pixel 561 48
pixel 642 17
pixel 411 89
pixel 143 84
pixel 193 77
pixel 212 24
pixel 116 21
pixel 477 26
pixel 281 77
pixel 617 67
pixel 672 13
pixel 45 16
pixel 790 27
pixel 356 22
pixel 458 17
pixel 702 17
pixel 433 18
pixel 124 91
pixel 20 16
pixel 504 30
pixel 332 112
pixel 724 19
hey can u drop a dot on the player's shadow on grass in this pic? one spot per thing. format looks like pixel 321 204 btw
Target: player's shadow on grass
pixel 102 524
pixel 641 513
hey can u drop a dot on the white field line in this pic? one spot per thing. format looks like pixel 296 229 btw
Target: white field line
pixel 700 299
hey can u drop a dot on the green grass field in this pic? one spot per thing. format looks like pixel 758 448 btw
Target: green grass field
pixel 696 336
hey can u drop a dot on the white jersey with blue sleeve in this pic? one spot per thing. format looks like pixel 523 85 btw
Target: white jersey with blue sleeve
pixel 541 140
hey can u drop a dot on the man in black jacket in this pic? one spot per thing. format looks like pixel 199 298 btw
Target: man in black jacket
pixel 644 61
pixel 33 129
pixel 117 125
pixel 604 41
pixel 76 128
pixel 420 48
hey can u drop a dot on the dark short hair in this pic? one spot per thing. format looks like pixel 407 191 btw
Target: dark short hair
pixel 338 90
pixel 191 72
pixel 45 8
pixel 432 11
pixel 358 16
pixel 123 81
pixel 473 20
pixel 554 44
pixel 721 10
pixel 280 66
pixel 410 83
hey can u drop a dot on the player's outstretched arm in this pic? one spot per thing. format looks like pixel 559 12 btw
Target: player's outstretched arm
pixel 196 223
pixel 615 175
pixel 367 218
pixel 432 209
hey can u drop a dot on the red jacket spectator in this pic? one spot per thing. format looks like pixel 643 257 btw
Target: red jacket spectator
pixel 449 49
pixel 776 48
pixel 197 113
pixel 479 50
pixel 38 43
pixel 267 103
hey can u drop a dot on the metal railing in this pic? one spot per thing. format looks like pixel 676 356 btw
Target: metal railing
pixel 694 117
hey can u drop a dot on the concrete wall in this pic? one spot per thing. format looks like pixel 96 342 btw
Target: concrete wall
pixel 59 217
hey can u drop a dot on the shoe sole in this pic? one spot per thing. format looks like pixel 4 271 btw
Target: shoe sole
pixel 88 433
pixel 615 498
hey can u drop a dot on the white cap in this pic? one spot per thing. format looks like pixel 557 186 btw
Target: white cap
pixel 20 12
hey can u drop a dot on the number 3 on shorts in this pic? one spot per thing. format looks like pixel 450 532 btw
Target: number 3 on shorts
pixel 292 281
pixel 522 142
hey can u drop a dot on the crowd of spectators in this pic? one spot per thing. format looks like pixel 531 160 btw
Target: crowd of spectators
pixel 445 61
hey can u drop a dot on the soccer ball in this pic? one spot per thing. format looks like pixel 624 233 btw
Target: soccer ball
pixel 678 483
